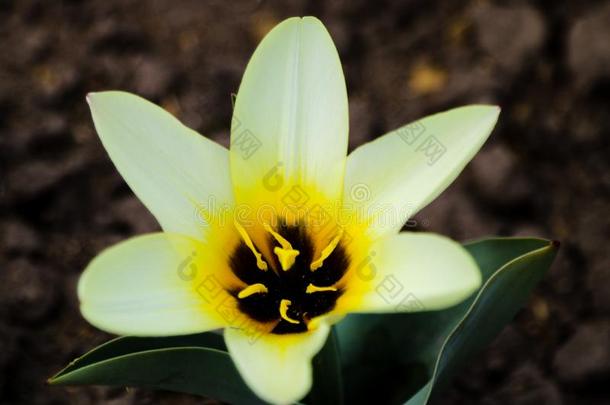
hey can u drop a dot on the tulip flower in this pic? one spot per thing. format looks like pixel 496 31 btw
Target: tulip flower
pixel 280 236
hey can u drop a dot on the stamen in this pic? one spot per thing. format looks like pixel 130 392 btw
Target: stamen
pixel 257 288
pixel 284 304
pixel 285 254
pixel 260 263
pixel 316 264
pixel 314 289
pixel 279 238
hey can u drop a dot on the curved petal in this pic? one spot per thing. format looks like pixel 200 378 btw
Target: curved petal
pixel 290 122
pixel 177 173
pixel 412 272
pixel 392 178
pixel 154 285
pixel 276 367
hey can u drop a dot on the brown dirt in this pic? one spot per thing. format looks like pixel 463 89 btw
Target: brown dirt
pixel 544 172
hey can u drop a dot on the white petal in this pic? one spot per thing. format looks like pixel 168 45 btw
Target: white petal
pixel 276 367
pixel 290 122
pixel 173 170
pixel 411 272
pixel 154 285
pixel 392 178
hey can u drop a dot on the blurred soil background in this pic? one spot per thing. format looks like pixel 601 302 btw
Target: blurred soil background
pixel 545 171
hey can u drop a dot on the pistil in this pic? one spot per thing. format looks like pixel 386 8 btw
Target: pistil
pixel 285 254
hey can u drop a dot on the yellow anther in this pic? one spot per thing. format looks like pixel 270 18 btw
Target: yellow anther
pixel 284 304
pixel 314 289
pixel 316 264
pixel 260 263
pixel 285 254
pixel 257 288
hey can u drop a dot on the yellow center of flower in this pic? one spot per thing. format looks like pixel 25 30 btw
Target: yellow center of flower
pixel 302 284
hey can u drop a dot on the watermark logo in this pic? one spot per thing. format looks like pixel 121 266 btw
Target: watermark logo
pixel 296 198
pixel 411 133
pixel 243 140
pixel 360 192
pixel 274 180
pixel 187 269
pixel 389 289
pixel 410 303
pixel 214 294
pixel 432 148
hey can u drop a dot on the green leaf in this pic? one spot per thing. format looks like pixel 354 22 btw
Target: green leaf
pixel 179 363
pixel 166 363
pixel 327 382
pixel 415 355
pixel 131 344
